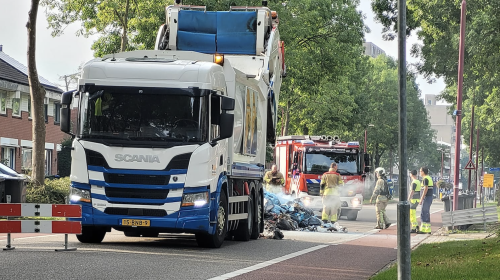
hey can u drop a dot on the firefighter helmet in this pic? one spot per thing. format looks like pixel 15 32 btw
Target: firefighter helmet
pixel 380 171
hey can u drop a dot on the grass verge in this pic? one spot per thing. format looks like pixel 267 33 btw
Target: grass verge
pixel 472 259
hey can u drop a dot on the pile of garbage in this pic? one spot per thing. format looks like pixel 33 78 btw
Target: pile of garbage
pixel 283 213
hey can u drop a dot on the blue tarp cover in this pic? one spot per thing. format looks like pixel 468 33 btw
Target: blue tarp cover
pixel 217 32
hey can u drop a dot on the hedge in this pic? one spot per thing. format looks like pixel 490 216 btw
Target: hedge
pixel 52 192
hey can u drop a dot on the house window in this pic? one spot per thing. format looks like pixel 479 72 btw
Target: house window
pixel 16 107
pixel 48 162
pixel 429 102
pixel 57 111
pixel 27 154
pixel 3 102
pixel 9 157
pixel 46 112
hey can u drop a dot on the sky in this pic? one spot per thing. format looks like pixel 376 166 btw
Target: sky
pixel 64 54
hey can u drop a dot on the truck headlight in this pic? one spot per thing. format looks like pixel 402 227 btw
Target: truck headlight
pixel 355 202
pixel 76 195
pixel 195 199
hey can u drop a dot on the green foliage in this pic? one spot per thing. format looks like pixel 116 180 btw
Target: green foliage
pixel 381 110
pixel 123 25
pixel 438 26
pixel 472 259
pixel 52 192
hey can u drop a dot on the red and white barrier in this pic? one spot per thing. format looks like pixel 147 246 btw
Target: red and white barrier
pixel 40 210
pixel 40 226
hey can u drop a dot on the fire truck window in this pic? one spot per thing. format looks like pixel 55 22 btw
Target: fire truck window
pixel 319 163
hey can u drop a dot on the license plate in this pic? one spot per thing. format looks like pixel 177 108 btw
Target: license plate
pixel 135 223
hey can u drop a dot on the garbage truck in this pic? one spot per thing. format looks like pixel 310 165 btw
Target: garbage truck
pixel 173 140
pixel 305 158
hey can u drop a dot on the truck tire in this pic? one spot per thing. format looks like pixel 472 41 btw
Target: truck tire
pixel 91 234
pixel 245 228
pixel 215 240
pixel 260 217
pixel 352 215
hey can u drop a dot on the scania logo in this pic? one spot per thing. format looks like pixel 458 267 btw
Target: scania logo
pixel 137 158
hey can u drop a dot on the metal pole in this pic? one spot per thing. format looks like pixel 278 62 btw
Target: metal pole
pixel 459 104
pixel 365 142
pixel 470 146
pixel 442 162
pixel 404 246
pixel 477 162
pixel 482 175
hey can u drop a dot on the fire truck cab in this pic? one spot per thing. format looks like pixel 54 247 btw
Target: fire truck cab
pixel 305 158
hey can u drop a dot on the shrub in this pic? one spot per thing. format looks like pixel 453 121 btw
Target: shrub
pixel 52 192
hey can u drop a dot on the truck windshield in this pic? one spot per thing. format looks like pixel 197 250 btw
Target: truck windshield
pixel 116 115
pixel 319 163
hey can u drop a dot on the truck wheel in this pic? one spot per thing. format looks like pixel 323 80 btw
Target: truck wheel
pixel 91 235
pixel 260 218
pixel 216 240
pixel 245 228
pixel 352 215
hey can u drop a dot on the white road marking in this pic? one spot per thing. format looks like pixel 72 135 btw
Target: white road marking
pixel 267 263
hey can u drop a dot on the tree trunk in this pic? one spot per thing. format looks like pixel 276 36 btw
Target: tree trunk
pixel 124 44
pixel 37 93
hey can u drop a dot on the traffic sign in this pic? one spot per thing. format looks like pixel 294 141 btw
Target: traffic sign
pixel 494 169
pixel 470 165
pixel 488 181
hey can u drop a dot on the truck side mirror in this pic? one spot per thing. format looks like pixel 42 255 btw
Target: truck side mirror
pixel 366 158
pixel 227 103
pixel 66 99
pixel 226 125
pixel 367 169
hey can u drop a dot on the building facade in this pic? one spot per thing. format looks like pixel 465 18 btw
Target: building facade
pixel 372 50
pixel 15 118
pixel 444 126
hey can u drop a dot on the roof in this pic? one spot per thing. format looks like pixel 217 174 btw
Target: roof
pixel 13 71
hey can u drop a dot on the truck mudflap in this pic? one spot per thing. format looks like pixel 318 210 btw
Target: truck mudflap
pixel 185 220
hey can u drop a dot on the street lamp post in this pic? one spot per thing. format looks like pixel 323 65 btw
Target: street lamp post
pixel 366 136
pixel 459 102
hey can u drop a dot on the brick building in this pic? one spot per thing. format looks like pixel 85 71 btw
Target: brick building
pixel 15 121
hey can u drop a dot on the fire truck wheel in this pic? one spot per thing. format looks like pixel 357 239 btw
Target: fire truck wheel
pixel 216 240
pixel 91 235
pixel 352 215
pixel 245 228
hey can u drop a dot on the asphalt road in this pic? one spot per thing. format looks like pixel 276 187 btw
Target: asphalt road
pixel 178 257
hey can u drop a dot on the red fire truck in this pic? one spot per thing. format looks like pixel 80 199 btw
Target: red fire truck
pixel 305 158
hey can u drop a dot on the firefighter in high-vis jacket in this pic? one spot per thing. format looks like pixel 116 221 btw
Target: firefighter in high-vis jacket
pixel 274 180
pixel 329 191
pixel 426 201
pixel 414 199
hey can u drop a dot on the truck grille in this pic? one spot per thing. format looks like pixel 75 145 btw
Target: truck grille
pixel 135 179
pixel 313 189
pixel 136 193
pixel 135 212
